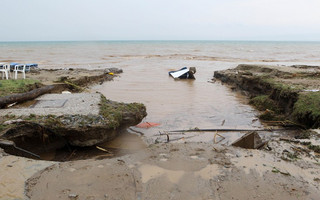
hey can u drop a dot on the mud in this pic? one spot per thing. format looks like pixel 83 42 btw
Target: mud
pixel 179 171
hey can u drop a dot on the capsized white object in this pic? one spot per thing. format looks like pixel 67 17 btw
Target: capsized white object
pixel 177 74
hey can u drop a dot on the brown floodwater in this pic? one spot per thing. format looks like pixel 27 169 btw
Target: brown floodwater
pixel 59 150
pixel 182 104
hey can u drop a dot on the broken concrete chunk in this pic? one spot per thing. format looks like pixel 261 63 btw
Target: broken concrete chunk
pixel 251 140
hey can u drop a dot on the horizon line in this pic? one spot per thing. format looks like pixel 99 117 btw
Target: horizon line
pixel 159 40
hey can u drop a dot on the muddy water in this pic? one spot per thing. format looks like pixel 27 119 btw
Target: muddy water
pixel 181 104
pixel 123 144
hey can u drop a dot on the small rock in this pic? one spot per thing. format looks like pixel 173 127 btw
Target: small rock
pixel 121 162
pixel 194 157
pixel 73 196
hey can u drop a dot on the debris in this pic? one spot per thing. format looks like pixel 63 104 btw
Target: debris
pixel 147 125
pixel 225 130
pixel 215 135
pixel 275 170
pixel 303 135
pixel 184 73
pixel 289 140
pixel 222 123
pixel 139 132
pixel 250 140
pixel 10 105
pixel 315 148
pixel 73 196
pixel 102 149
pixel 22 97
pixel 75 86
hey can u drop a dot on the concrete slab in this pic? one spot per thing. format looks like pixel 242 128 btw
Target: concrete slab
pixel 60 104
pixel 56 103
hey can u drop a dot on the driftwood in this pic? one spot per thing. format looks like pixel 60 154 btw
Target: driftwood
pixel 223 129
pixel 25 96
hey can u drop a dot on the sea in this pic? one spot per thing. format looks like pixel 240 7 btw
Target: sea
pixel 174 104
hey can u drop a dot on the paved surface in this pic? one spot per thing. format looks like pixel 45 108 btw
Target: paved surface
pixel 60 104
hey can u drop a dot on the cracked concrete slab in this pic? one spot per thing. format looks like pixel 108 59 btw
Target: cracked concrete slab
pixel 60 104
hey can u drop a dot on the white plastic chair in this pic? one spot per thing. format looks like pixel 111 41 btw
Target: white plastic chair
pixel 19 68
pixel 5 71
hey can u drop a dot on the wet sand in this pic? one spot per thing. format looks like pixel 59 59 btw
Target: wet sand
pixel 179 171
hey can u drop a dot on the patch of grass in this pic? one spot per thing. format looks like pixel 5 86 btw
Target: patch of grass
pixel 315 148
pixel 269 106
pixel 307 109
pixel 114 111
pixel 263 102
pixel 10 116
pixel 285 90
pixel 10 86
pixel 2 127
pixel 271 116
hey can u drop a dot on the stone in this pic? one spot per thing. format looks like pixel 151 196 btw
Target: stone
pixel 73 196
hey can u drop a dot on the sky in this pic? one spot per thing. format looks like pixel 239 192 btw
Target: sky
pixel 63 20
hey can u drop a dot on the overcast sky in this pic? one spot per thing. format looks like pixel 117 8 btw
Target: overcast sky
pixel 46 20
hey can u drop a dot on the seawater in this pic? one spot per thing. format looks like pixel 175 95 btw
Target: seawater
pixel 95 53
pixel 175 104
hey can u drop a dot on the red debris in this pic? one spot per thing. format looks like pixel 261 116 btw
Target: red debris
pixel 147 125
